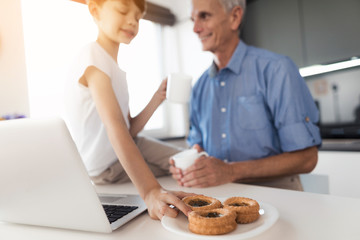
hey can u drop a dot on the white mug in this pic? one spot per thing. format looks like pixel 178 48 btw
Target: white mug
pixel 186 158
pixel 178 87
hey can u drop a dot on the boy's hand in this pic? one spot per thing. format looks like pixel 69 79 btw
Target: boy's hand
pixel 160 202
pixel 161 92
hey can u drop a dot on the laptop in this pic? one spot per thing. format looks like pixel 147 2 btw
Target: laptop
pixel 44 182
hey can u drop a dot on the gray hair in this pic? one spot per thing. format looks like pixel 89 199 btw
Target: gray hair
pixel 230 4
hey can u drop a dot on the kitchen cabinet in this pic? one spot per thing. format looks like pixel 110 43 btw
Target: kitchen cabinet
pixel 309 31
pixel 332 31
pixel 275 25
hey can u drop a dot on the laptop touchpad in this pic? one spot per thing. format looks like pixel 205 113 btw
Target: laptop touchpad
pixel 110 199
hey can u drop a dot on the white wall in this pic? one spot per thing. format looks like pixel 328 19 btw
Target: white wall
pixel 13 83
pixel 342 103
pixel 342 170
pixel 337 173
pixel 51 42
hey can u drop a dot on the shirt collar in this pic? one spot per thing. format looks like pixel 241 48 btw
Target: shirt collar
pixel 235 61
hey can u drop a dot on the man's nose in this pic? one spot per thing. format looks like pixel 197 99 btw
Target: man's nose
pixel 197 26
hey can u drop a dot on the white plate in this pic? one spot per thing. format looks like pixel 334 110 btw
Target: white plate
pixel 268 216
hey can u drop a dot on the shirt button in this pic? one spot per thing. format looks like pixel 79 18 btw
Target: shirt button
pixel 223 110
pixel 223 135
pixel 307 119
pixel 222 83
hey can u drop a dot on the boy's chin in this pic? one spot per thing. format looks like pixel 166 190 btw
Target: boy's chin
pixel 126 41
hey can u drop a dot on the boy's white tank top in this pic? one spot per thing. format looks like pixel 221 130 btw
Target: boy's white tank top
pixel 81 116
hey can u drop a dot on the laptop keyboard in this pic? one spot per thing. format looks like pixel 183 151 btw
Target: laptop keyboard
pixel 115 212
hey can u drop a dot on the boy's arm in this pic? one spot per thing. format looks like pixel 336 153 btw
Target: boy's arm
pixel 138 123
pixel 156 198
pixel 114 122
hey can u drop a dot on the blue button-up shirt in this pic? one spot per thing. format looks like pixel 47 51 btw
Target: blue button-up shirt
pixel 255 107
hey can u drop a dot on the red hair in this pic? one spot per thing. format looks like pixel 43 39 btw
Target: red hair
pixel 141 4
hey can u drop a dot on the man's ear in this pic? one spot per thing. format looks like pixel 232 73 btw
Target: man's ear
pixel 93 9
pixel 236 17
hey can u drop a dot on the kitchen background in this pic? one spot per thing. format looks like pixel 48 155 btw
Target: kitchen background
pixel 337 95
pixel 38 38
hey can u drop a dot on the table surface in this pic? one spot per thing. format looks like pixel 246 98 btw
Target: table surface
pixel 302 216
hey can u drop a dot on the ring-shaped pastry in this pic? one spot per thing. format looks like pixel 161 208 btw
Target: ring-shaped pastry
pixel 201 202
pixel 246 209
pixel 212 222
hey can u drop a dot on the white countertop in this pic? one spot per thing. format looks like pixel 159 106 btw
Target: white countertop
pixel 302 216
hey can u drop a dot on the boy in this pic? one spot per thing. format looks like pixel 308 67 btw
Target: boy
pixel 98 113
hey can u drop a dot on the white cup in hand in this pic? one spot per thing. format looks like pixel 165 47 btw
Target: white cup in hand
pixel 186 158
pixel 178 87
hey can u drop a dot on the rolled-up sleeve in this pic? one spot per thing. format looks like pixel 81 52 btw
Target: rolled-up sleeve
pixel 294 110
pixel 299 136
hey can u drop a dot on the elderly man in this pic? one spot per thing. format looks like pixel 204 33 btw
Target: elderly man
pixel 251 110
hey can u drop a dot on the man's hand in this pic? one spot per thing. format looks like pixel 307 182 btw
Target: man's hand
pixel 205 172
pixel 177 173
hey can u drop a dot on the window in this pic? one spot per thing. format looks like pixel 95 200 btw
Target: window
pixel 141 60
pixel 54 31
